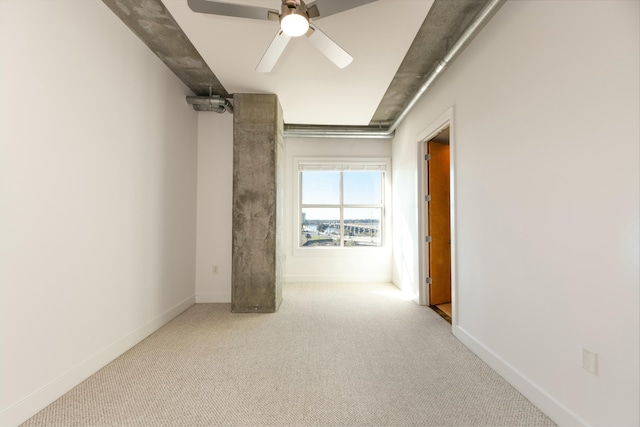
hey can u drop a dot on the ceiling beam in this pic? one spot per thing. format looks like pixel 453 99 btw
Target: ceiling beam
pixel 153 24
pixel 446 21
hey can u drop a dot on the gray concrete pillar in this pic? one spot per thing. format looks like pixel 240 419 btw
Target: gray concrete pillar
pixel 258 204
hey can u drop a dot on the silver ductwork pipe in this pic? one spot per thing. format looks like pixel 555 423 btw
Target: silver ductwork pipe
pixel 320 131
pixel 329 131
pixel 305 131
pixel 210 103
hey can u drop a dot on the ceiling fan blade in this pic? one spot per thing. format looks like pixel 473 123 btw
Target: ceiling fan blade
pixel 328 47
pixel 236 10
pixel 273 52
pixel 321 8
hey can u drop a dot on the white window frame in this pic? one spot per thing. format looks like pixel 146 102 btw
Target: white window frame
pixel 339 164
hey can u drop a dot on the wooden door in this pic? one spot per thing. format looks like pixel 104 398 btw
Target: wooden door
pixel 439 223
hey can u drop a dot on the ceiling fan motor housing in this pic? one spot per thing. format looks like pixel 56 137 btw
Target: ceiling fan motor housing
pixel 291 3
pixel 298 5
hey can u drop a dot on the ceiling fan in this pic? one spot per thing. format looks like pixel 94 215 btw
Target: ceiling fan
pixel 295 20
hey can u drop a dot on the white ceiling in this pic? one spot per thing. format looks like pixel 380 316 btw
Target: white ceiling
pixel 311 89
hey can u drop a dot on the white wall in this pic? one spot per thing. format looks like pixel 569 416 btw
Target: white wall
pixel 340 264
pixel 546 140
pixel 97 197
pixel 215 207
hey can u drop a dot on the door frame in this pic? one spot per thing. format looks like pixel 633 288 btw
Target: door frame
pixel 428 133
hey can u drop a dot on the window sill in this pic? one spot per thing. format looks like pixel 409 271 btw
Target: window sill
pixel 343 252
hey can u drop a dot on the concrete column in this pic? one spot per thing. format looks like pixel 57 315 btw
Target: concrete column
pixel 258 204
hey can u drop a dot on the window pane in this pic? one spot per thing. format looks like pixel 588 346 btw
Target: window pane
pixel 362 188
pixel 320 227
pixel 362 226
pixel 320 187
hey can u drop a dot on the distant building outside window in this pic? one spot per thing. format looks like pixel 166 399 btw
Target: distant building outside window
pixel 341 204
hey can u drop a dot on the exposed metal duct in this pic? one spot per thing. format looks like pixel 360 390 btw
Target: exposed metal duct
pixel 210 103
pixel 320 131
pixel 329 131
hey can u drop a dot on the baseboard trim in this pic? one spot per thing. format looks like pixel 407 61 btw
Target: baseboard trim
pixel 213 297
pixel 555 410
pixel 39 399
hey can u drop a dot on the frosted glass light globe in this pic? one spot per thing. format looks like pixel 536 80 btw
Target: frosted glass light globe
pixel 294 24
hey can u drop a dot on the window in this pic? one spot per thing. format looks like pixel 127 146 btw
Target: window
pixel 341 204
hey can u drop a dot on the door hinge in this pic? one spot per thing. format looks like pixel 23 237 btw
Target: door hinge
pixel 428 280
pixel 427 198
pixel 427 239
pixel 427 157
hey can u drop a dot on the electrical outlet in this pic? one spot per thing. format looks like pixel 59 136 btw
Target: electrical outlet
pixel 214 269
pixel 590 361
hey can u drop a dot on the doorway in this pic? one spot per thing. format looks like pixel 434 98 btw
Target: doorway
pixel 438 224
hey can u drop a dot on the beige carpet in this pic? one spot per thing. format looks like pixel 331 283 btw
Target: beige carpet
pixel 333 355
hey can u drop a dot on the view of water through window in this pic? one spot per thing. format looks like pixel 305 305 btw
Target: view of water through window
pixel 341 208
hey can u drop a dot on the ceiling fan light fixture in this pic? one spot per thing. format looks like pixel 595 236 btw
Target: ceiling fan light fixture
pixel 293 22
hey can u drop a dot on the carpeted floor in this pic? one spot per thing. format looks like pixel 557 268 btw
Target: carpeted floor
pixel 335 355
